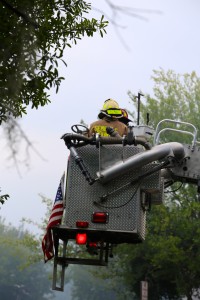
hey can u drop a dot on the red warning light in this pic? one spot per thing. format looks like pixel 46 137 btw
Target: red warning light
pixel 100 217
pixel 82 224
pixel 81 238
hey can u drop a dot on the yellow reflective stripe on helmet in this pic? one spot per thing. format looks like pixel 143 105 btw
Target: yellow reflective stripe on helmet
pixel 114 111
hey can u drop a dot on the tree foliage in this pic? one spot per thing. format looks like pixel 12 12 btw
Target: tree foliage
pixel 87 286
pixel 33 36
pixel 175 96
pixel 18 279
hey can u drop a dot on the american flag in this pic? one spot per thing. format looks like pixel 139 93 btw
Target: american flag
pixel 55 219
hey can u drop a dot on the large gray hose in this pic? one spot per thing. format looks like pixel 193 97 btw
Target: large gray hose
pixel 158 152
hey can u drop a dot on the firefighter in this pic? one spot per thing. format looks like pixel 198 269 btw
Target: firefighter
pixel 109 116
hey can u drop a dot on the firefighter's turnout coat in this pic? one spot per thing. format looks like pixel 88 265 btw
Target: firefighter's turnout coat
pixel 100 127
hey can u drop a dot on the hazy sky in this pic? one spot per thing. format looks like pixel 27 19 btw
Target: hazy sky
pixel 99 69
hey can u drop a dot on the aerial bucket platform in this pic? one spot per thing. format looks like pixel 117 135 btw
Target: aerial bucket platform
pixel 111 184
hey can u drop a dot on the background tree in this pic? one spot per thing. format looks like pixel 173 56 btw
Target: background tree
pixel 175 97
pixel 19 279
pixel 87 286
pixel 33 36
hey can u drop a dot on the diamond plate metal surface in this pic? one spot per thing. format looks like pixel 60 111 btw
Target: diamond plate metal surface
pixel 122 201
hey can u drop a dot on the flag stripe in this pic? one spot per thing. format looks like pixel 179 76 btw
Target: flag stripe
pixel 56 213
pixel 54 219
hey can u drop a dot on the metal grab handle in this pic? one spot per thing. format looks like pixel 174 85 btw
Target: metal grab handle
pixel 158 131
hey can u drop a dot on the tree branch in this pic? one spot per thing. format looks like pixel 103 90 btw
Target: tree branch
pixel 19 13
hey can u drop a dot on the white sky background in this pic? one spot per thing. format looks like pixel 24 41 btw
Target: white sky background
pixel 99 69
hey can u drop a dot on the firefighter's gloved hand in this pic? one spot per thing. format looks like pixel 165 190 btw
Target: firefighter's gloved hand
pixel 112 132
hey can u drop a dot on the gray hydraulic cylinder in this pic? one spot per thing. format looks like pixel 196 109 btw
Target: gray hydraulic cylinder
pixel 139 160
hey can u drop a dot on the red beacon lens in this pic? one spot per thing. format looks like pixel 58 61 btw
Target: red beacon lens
pixel 82 224
pixel 81 238
pixel 100 217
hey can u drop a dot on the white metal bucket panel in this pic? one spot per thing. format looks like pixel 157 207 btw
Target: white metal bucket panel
pixel 123 197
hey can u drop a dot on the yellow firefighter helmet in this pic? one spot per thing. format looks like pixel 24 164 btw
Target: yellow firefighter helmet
pixel 110 109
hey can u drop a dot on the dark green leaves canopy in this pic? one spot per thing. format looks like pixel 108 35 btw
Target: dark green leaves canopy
pixel 33 36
